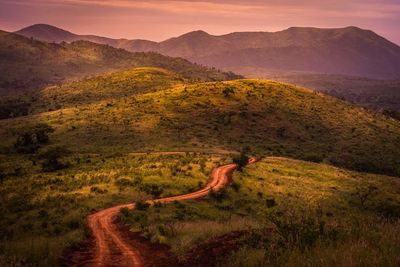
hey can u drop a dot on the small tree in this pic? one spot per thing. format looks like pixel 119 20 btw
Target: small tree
pixel 228 92
pixel 241 160
pixel 363 194
pixel 2 176
pixel 30 140
pixel 52 159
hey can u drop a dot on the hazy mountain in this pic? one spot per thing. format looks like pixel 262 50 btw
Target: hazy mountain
pixel 350 51
pixel 27 63
pixel 49 33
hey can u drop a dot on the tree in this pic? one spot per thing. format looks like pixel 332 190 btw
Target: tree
pixel 30 140
pixel 228 92
pixel 52 159
pixel 363 194
pixel 241 160
pixel 2 176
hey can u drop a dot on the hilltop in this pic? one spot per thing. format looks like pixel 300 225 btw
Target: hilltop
pixel 152 109
pixel 371 93
pixel 347 51
pixel 27 63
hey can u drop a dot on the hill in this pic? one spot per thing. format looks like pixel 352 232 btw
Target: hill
pixel 49 33
pixel 283 212
pixel 27 63
pixel 381 95
pixel 347 51
pixel 72 153
pixel 159 111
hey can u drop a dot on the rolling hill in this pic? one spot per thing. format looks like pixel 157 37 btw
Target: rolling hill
pixel 381 95
pixel 75 151
pixel 347 51
pixel 27 63
pixel 151 109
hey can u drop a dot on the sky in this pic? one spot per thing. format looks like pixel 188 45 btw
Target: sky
pixel 158 20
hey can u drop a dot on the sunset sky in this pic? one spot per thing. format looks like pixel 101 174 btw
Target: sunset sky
pixel 160 19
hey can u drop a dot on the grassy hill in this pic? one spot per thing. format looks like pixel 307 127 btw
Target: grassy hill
pixel 374 94
pixel 26 63
pixel 44 212
pixel 70 154
pixel 283 212
pixel 158 111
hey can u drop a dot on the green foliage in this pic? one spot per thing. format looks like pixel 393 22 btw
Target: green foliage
pixel 241 161
pixel 228 91
pixel 286 213
pixel 47 210
pixel 152 107
pixel 30 140
pixel 51 159
pixel 141 205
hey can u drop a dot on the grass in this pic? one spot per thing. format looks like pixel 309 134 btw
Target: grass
pixel 312 211
pixel 102 120
pixel 152 109
pixel 47 210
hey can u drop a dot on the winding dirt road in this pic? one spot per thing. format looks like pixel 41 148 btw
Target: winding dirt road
pixel 111 248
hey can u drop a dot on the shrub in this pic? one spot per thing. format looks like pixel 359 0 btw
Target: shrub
pixel 52 159
pixel 364 194
pixel 30 140
pixel 123 183
pixel 228 91
pixel 153 189
pixel 270 202
pixel 142 205
pixel 97 190
pixel 241 161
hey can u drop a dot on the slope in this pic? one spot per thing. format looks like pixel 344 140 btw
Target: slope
pixel 267 117
pixel 283 212
pixel 374 94
pixel 27 63
pixel 348 51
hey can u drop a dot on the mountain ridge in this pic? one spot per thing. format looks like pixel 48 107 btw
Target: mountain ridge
pixel 347 51
pixel 30 64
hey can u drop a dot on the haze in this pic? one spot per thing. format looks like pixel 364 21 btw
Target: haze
pixel 158 20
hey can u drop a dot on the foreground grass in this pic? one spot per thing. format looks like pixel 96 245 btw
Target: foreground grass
pixel 292 213
pixel 43 213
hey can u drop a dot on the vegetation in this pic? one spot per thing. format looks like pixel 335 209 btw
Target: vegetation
pixel 286 213
pixel 73 153
pixel 152 109
pixel 30 140
pixel 378 95
pixel 44 206
pixel 30 64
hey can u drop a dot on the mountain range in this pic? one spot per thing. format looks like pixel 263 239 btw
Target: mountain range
pixel 346 51
pixel 30 64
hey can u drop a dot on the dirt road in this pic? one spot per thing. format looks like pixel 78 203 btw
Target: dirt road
pixel 111 248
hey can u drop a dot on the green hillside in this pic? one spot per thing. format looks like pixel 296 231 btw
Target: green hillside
pixel 70 152
pixel 27 63
pixel 44 212
pixel 283 212
pixel 157 111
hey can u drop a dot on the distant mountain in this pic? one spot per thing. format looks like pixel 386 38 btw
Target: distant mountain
pixel 348 51
pixel 49 33
pixel 27 63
